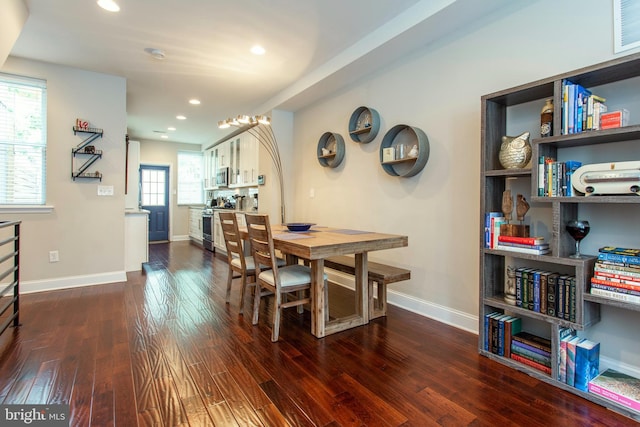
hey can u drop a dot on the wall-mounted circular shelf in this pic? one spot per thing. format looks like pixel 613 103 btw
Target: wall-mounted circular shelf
pixel 404 151
pixel 333 145
pixel 364 124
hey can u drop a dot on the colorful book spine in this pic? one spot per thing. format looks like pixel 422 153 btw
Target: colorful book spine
pixel 612 273
pixel 618 387
pixel 528 347
pixel 487 328
pixel 623 259
pixel 616 289
pixel 544 275
pixel 587 363
pixel 540 367
pixel 633 299
pixel 543 360
pixel 533 340
pixel 523 250
pixel 536 291
pixel 566 334
pixel 519 286
pixel 619 284
pixel 523 240
pixel 619 251
pixel 523 245
pixel 511 327
pixel 552 294
pixel 487 227
pixel 571 360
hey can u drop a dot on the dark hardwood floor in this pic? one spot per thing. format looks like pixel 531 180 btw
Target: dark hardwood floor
pixel 164 349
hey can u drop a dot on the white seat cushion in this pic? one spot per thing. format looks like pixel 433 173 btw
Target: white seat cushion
pixel 251 265
pixel 290 275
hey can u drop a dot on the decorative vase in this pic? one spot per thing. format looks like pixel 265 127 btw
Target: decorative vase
pixel 515 151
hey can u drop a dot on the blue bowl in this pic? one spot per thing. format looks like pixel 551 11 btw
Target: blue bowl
pixel 299 226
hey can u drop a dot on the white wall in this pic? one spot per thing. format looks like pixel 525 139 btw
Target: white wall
pixel 438 89
pixel 87 230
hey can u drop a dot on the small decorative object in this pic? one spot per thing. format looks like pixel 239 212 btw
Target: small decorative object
pixel 510 286
pixel 507 205
pixel 97 174
pixel 515 151
pixel 522 207
pixel 82 124
pixel 299 226
pixel 90 149
pixel 388 154
pixel 414 151
pixel 578 230
pixel 367 120
pixel 546 119
pixel 325 152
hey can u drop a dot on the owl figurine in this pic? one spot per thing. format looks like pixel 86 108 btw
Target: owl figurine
pixel 515 151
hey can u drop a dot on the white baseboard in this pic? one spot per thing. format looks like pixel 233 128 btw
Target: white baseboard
pixel 428 309
pixel 27 287
pixel 179 238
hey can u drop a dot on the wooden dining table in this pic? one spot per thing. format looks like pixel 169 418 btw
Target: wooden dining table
pixel 315 246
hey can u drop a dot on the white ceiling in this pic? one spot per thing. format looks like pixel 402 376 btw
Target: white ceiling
pixel 313 46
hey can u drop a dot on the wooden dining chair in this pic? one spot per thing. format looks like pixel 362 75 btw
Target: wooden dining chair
pixel 240 266
pixel 290 285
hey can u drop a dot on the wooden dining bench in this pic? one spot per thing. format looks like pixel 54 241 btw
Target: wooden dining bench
pixel 380 274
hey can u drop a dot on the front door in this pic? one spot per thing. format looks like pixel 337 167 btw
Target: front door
pixel 154 197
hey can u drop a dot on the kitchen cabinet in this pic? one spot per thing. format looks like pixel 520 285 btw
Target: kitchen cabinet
pixel 243 154
pixel 136 248
pixel 218 237
pixel 195 224
pixel 210 169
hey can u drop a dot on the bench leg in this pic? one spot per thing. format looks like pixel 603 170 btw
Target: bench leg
pixel 377 306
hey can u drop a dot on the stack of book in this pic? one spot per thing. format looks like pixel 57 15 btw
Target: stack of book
pixel 532 350
pixel 499 329
pixel 617 274
pixel 526 245
pixel 581 110
pixel 554 178
pixel 492 222
pixel 618 387
pixel 579 360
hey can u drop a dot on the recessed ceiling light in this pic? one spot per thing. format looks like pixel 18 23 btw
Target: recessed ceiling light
pixel 164 136
pixel 155 53
pixel 181 117
pixel 109 5
pixel 171 128
pixel 258 50
pixel 194 101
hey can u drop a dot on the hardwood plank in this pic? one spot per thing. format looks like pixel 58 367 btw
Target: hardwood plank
pixel 164 349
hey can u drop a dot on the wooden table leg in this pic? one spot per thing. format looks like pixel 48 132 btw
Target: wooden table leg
pixel 318 323
pixel 362 286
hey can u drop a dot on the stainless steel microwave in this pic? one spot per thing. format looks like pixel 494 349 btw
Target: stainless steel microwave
pixel 222 177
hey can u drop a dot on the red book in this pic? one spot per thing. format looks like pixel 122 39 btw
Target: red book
pixel 624 285
pixel 522 240
pixel 532 363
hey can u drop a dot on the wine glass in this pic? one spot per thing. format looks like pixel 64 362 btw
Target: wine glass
pixel 578 230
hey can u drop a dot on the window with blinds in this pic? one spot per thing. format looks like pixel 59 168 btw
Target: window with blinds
pixel 23 140
pixel 626 24
pixel 190 168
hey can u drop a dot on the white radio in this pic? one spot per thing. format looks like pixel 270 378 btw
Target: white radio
pixel 607 178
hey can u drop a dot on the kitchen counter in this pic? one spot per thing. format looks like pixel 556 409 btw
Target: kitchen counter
pixel 136 238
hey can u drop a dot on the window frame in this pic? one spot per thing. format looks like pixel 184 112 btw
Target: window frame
pixel 196 181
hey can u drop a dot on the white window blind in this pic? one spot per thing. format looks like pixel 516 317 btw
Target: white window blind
pixel 190 173
pixel 626 24
pixel 23 140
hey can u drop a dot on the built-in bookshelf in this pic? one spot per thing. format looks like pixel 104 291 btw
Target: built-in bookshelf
pixel 516 110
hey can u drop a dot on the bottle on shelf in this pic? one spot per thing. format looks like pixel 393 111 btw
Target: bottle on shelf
pixel 546 119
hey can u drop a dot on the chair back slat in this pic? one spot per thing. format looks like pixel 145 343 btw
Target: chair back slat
pixel 232 238
pixel 262 248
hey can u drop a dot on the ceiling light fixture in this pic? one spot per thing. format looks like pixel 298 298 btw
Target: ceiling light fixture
pixel 260 127
pixel 109 5
pixel 171 128
pixel 194 101
pixel 181 117
pixel 258 50
pixel 155 53
pixel 164 136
